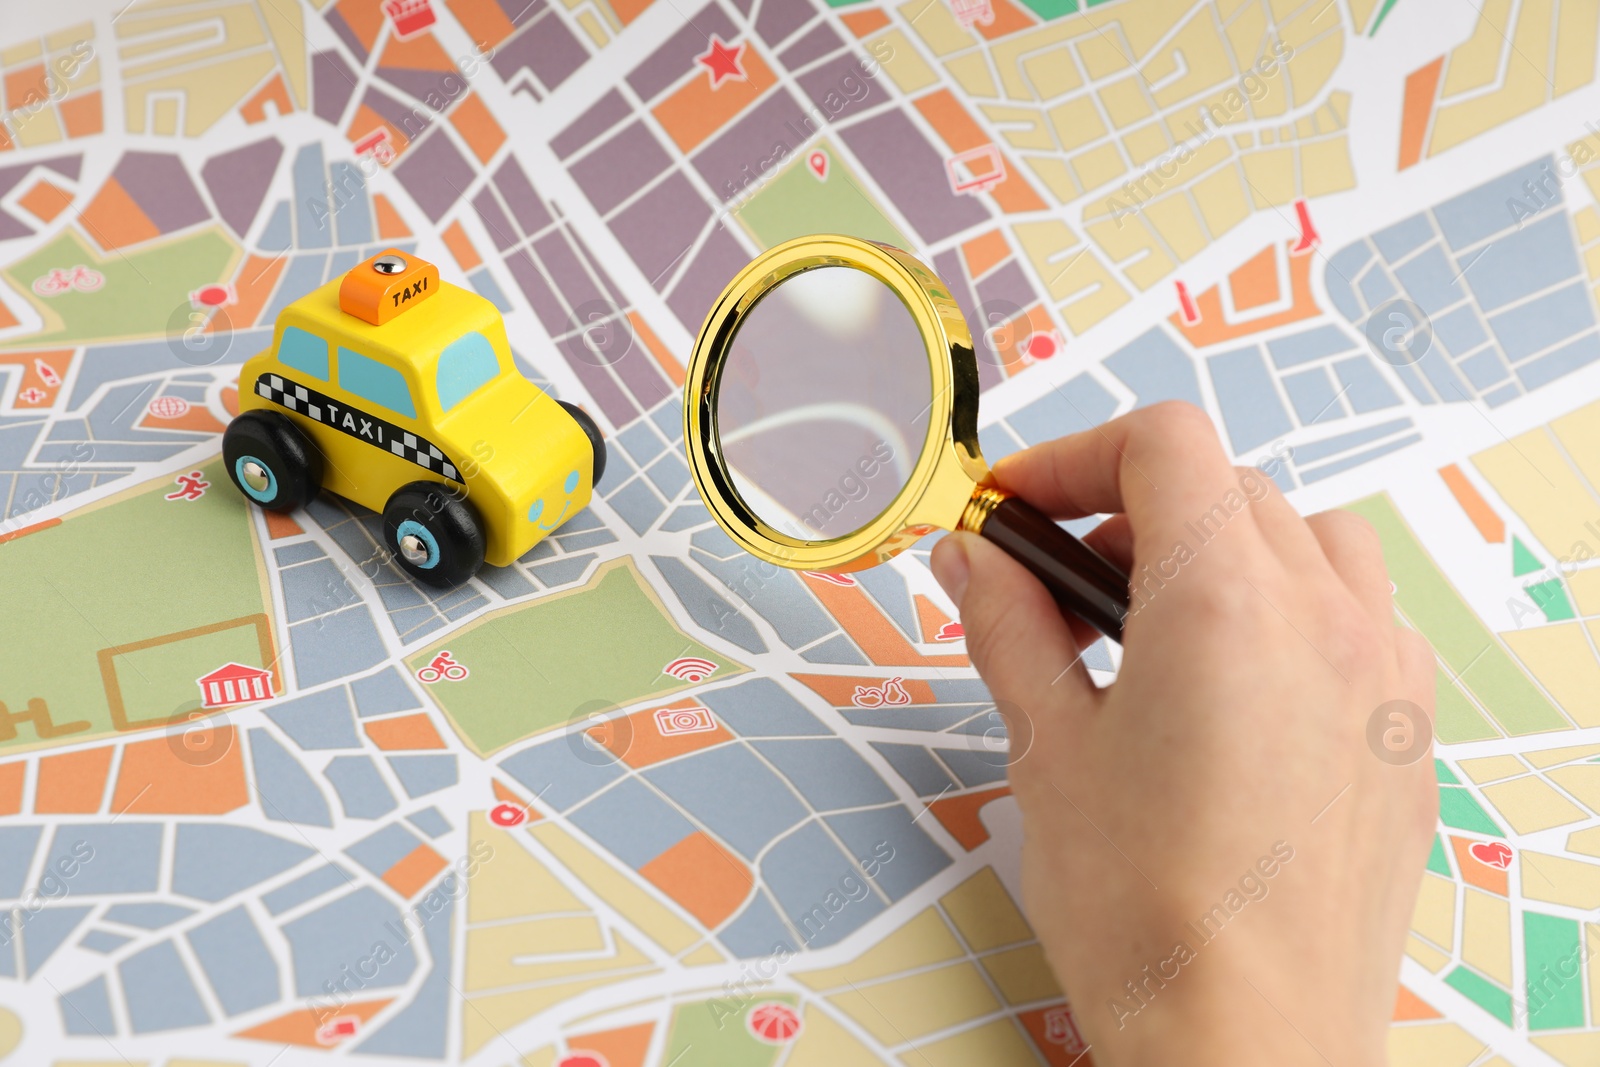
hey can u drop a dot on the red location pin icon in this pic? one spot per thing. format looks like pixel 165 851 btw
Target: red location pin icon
pixel 818 162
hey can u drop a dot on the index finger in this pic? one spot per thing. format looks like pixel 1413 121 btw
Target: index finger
pixel 1162 465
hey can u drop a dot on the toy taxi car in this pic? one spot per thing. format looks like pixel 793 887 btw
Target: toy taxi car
pixel 398 391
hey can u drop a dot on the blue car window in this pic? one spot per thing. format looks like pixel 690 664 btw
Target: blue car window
pixel 466 365
pixel 304 352
pixel 374 381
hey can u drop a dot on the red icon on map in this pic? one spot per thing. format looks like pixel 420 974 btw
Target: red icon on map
pixel 444 667
pixel 1043 345
pixel 1309 238
pixel 1496 854
pixel 65 279
pixel 951 631
pixel 1186 306
pixel 583 1059
pixel 690 669
pixel 47 374
pixel 722 61
pixel 234 683
pixel 377 143
pixel 507 815
pixel 773 1022
pixel 832 579
pixel 818 162
pixel 214 295
pixel 410 17
pixel 690 720
pixel 976 170
pixel 338 1029
pixel 168 407
pixel 971 12
pixel 875 696
pixel 33 395
pixel 191 486
pixel 1061 1029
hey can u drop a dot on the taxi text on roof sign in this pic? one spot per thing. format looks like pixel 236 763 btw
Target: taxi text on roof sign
pixel 385 285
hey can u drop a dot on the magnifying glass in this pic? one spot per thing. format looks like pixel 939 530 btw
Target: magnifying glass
pixel 831 420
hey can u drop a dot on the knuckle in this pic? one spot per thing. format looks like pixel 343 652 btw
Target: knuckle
pixel 1348 529
pixel 1180 419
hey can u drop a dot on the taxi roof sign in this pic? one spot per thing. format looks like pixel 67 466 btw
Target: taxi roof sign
pixel 385 285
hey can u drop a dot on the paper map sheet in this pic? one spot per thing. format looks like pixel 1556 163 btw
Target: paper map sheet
pixel 660 805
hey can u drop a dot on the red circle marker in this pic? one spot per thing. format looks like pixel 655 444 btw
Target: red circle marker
pixel 1042 346
pixel 507 815
pixel 773 1022
pixel 582 1059
pixel 168 407
pixel 212 295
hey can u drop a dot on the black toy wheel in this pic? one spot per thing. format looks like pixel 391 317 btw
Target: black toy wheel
pixel 271 460
pixel 592 431
pixel 434 535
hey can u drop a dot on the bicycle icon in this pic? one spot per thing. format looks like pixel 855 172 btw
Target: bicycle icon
pixel 59 280
pixel 442 667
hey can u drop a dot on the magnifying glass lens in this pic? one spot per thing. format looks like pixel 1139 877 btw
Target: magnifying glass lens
pixel 824 402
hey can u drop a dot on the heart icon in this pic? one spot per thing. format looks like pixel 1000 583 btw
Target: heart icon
pixel 1495 854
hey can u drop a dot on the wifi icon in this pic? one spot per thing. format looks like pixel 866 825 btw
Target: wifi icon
pixel 690 669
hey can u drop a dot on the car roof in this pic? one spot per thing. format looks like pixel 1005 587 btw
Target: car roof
pixel 413 339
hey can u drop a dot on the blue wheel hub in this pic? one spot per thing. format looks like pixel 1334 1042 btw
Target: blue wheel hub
pixel 256 479
pixel 418 546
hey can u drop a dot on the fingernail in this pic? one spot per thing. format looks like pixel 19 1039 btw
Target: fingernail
pixel 951 567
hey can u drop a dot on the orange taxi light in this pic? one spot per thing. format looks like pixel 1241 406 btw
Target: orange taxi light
pixel 385 285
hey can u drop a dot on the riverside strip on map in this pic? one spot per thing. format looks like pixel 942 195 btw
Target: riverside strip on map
pixel 638 800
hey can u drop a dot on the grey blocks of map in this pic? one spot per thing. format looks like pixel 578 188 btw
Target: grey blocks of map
pixel 1496 272
pixel 808 808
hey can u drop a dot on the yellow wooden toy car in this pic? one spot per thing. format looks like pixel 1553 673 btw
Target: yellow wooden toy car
pixel 398 391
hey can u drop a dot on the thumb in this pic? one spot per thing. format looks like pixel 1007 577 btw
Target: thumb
pixel 1016 635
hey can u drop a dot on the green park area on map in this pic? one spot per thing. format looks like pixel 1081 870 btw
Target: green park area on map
pixel 560 658
pixel 126 574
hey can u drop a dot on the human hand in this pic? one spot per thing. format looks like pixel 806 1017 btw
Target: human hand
pixel 1227 766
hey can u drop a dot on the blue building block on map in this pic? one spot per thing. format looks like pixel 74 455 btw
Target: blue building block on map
pixel 236 961
pixel 363 794
pixel 1543 322
pixel 1248 398
pixel 341 934
pixel 159 992
pixel 421 775
pixel 287 791
pixel 733 793
pixel 633 822
pixel 216 860
pixel 760 707
pixel 827 772
pixel 916 858
pixel 917 766
pixel 757 931
pixel 86 1010
pixel 806 870
pixel 127 856
pixel 564 770
pixel 1156 369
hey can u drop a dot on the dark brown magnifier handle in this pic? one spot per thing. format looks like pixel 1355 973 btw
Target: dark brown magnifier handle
pixel 1078 577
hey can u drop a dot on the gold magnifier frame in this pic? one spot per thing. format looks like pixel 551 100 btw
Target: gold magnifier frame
pixel 950 488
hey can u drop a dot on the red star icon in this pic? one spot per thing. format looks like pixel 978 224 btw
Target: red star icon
pixel 722 61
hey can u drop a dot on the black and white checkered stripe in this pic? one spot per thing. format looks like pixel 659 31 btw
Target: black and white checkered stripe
pixel 356 423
